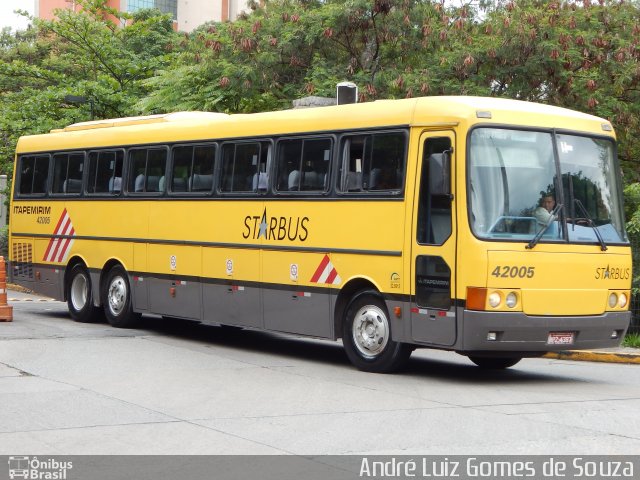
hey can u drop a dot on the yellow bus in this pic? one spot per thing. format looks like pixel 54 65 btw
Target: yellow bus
pixel 489 227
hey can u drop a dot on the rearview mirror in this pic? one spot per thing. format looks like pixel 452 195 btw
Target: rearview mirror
pixel 440 173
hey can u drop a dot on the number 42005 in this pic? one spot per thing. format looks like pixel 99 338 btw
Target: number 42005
pixel 508 271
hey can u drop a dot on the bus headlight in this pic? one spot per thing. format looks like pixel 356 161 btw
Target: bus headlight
pixel 622 300
pixel 613 300
pixel 511 300
pixel 494 299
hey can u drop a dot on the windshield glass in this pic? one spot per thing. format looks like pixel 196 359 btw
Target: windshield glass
pixel 513 186
pixel 588 177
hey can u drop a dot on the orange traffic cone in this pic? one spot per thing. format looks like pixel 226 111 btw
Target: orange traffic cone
pixel 6 311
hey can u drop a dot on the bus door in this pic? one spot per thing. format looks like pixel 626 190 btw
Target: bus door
pixel 433 312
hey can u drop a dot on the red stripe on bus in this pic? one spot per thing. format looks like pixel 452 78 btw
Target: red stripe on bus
pixel 65 247
pixel 57 249
pixel 64 213
pixel 55 232
pixel 320 269
pixel 332 276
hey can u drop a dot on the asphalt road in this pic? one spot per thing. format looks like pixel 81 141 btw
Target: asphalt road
pixel 182 388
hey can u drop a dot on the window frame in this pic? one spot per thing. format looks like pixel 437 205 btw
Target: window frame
pixel 198 193
pixel 129 171
pixel 52 167
pixel 329 175
pixel 88 168
pixel 261 142
pixel 341 158
pixel 19 194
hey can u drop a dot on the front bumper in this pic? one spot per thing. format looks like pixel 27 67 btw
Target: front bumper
pixel 518 332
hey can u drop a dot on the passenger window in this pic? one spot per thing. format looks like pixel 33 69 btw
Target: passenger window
pixel 303 165
pixel 244 167
pixel 192 169
pixel 105 172
pixel 373 162
pixel 34 170
pixel 147 169
pixel 67 173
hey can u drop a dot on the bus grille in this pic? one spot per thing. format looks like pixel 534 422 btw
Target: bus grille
pixel 23 261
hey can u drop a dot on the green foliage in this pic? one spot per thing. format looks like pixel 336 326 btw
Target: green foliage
pixel 576 53
pixel 632 340
pixel 83 53
pixel 632 209
pixel 4 241
pixel 632 214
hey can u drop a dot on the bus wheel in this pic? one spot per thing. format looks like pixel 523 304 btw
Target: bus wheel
pixel 495 363
pixel 367 339
pixel 117 299
pixel 79 296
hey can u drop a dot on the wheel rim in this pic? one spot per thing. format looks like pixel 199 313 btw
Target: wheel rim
pixel 79 291
pixel 117 295
pixel 370 331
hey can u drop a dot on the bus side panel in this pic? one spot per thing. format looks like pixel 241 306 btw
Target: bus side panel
pixel 139 287
pixel 291 302
pixel 174 287
pixel 229 296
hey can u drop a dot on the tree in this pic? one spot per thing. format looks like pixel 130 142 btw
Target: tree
pixel 96 52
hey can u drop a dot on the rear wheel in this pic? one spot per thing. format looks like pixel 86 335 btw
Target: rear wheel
pixel 80 296
pixel 366 336
pixel 495 363
pixel 116 299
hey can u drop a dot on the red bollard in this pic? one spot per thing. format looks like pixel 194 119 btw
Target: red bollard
pixel 6 311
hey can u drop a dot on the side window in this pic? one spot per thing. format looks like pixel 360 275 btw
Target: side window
pixel 105 172
pixel 302 165
pixel 434 208
pixel 33 170
pixel 67 173
pixel 192 169
pixel 243 165
pixel 146 170
pixel 373 162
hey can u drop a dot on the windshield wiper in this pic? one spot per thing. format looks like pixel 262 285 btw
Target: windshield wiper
pixel 552 217
pixel 585 215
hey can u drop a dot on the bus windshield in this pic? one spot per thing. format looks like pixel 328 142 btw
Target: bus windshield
pixel 517 177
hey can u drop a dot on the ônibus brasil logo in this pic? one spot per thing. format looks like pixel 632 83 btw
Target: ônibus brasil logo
pixel 38 469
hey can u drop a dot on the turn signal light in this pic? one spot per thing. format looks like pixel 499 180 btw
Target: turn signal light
pixel 476 298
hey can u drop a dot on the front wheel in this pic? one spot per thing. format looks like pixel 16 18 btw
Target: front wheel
pixel 495 363
pixel 117 299
pixel 80 297
pixel 367 339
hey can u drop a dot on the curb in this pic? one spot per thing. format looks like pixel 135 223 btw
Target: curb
pixel 594 356
pixel 13 300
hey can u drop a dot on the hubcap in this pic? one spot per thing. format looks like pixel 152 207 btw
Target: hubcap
pixel 79 291
pixel 370 331
pixel 117 295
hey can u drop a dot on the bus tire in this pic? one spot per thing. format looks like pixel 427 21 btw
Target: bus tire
pixel 366 336
pixel 495 363
pixel 80 297
pixel 116 299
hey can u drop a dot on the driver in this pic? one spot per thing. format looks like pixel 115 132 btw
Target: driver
pixel 543 212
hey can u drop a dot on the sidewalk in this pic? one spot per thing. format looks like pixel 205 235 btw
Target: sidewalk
pixel 609 355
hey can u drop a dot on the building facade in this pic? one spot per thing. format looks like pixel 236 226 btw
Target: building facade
pixel 187 14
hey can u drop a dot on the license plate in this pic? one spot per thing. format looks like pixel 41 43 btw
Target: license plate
pixel 560 338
